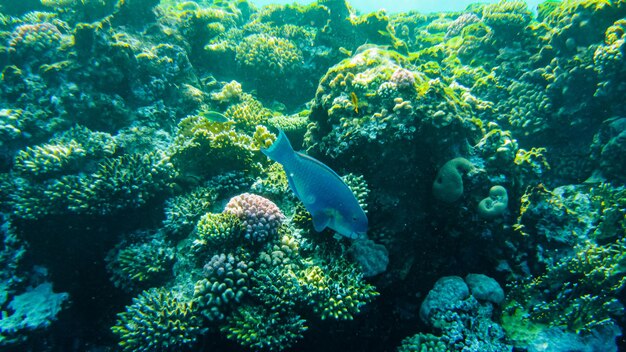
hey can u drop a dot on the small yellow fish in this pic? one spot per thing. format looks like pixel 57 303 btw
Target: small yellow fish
pixel 355 102
pixel 345 51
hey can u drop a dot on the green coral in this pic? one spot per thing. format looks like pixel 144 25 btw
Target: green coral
pixel 495 204
pixel 205 148
pixel 448 185
pixel 507 18
pixel 183 211
pixel 140 264
pixel 226 283
pixel 422 343
pixel 579 293
pixel 158 320
pixel 336 290
pixel 268 57
pixel 259 327
pixel 215 231
pixel 248 113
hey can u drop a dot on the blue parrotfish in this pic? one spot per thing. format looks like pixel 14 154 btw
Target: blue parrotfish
pixel 324 194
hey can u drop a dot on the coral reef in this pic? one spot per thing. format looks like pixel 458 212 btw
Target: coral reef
pixel 489 139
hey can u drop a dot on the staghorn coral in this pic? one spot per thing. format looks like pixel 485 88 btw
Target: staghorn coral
pixel 158 319
pixel 577 294
pixel 126 182
pixel 49 159
pixel 260 217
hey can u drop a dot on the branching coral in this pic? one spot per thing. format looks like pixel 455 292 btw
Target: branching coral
pixel 215 231
pixel 337 290
pixel 158 319
pixel 137 264
pixel 268 57
pixel 203 147
pixel 226 283
pixel 259 327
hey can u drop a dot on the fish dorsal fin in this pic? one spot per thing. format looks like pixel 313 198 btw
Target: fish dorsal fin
pixel 320 221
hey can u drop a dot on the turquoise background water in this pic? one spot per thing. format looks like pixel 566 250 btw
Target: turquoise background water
pixel 424 6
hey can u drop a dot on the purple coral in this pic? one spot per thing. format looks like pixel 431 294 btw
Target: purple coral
pixel 260 216
pixel 403 78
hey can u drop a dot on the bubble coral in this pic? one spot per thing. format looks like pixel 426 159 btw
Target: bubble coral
pixel 259 216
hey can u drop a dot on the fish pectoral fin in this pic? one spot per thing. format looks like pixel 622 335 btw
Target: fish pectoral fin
pixel 320 221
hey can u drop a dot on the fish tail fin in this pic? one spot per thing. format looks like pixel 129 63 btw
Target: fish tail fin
pixel 281 150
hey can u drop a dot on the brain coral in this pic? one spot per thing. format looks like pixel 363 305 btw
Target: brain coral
pixel 259 216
